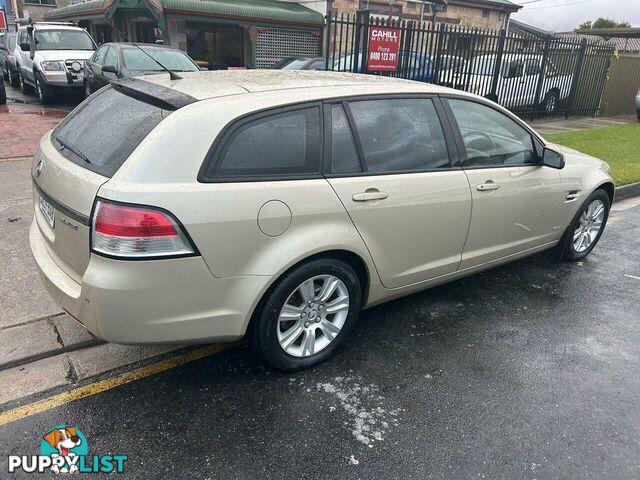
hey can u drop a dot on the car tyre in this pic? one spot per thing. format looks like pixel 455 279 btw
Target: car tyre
pixel 14 79
pixel 290 309
pixel 45 93
pixel 550 102
pixel 24 86
pixel 5 73
pixel 3 94
pixel 587 226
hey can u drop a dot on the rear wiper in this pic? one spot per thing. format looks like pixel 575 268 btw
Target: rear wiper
pixel 73 149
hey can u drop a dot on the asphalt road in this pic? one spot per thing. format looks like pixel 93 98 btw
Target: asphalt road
pixel 528 371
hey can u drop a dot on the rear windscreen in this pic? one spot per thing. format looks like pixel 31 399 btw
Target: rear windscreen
pixel 104 130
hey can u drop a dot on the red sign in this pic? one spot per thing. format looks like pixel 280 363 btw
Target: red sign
pixel 3 20
pixel 384 45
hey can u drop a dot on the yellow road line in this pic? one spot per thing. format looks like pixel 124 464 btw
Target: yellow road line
pixel 107 384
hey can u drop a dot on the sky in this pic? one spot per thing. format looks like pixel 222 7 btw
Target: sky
pixel 564 15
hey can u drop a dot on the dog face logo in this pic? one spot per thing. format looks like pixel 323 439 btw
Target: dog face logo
pixel 67 442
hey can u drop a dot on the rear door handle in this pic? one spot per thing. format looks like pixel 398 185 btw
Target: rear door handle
pixel 370 195
pixel 488 185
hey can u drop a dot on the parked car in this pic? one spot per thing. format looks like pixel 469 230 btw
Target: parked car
pixel 517 80
pixel 50 57
pixel 209 208
pixel 7 58
pixel 638 102
pixel 123 60
pixel 300 63
pixel 411 65
pixel 448 67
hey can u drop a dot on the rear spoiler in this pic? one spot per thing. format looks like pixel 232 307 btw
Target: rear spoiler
pixel 153 94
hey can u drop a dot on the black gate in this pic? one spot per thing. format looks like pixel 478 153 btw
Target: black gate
pixel 529 75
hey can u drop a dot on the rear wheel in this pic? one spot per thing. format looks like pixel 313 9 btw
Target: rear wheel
pixel 587 226
pixel 14 79
pixel 24 86
pixel 308 314
pixel 551 101
pixel 3 94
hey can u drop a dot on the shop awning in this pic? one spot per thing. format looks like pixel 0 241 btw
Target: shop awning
pixel 250 11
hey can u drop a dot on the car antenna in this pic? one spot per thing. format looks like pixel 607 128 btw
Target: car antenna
pixel 172 75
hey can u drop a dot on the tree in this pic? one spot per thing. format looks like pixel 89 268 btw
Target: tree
pixel 603 23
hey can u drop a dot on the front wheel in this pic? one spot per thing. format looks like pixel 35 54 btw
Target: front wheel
pixel 308 314
pixel 45 93
pixel 587 226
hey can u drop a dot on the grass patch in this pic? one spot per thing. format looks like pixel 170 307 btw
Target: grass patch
pixel 618 145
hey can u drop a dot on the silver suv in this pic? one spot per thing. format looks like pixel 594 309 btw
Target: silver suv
pixel 51 56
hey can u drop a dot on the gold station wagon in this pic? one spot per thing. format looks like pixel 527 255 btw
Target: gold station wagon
pixel 278 204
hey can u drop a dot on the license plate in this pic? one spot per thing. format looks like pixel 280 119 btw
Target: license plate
pixel 47 211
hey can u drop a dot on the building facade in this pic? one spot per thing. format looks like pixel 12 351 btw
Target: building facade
pixel 218 34
pixel 485 14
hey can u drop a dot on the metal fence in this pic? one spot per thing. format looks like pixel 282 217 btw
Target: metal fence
pixel 531 76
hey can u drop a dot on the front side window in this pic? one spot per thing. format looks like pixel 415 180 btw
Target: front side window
pixel 491 138
pixel 400 135
pixel 281 144
pixel 533 67
pixel 111 57
pixel 98 57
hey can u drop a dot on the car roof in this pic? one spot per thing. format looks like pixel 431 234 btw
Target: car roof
pixel 212 84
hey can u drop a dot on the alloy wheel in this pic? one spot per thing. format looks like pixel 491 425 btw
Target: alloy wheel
pixel 313 315
pixel 551 103
pixel 589 226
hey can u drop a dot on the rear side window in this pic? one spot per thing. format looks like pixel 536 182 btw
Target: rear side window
pixel 104 130
pixel 400 135
pixel 278 144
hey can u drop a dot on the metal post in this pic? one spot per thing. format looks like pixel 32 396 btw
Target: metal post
pixel 362 40
pixel 496 70
pixel 576 76
pixel 541 77
pixel 439 47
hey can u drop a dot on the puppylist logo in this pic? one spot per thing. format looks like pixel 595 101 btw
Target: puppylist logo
pixel 64 449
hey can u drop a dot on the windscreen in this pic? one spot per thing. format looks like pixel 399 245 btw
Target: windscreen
pixel 104 130
pixel 63 40
pixel 174 60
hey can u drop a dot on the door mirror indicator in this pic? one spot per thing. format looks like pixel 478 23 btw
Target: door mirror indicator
pixel 553 159
pixel 24 46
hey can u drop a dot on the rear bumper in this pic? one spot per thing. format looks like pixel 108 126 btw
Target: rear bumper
pixel 156 301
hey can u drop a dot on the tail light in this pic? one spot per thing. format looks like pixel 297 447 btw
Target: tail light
pixel 130 231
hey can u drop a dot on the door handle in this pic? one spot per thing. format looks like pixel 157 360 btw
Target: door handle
pixel 488 185
pixel 369 195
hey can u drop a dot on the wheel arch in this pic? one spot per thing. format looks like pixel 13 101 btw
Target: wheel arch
pixel 351 258
pixel 608 187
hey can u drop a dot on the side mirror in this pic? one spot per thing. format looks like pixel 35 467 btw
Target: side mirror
pixel 110 69
pixel 24 46
pixel 553 159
